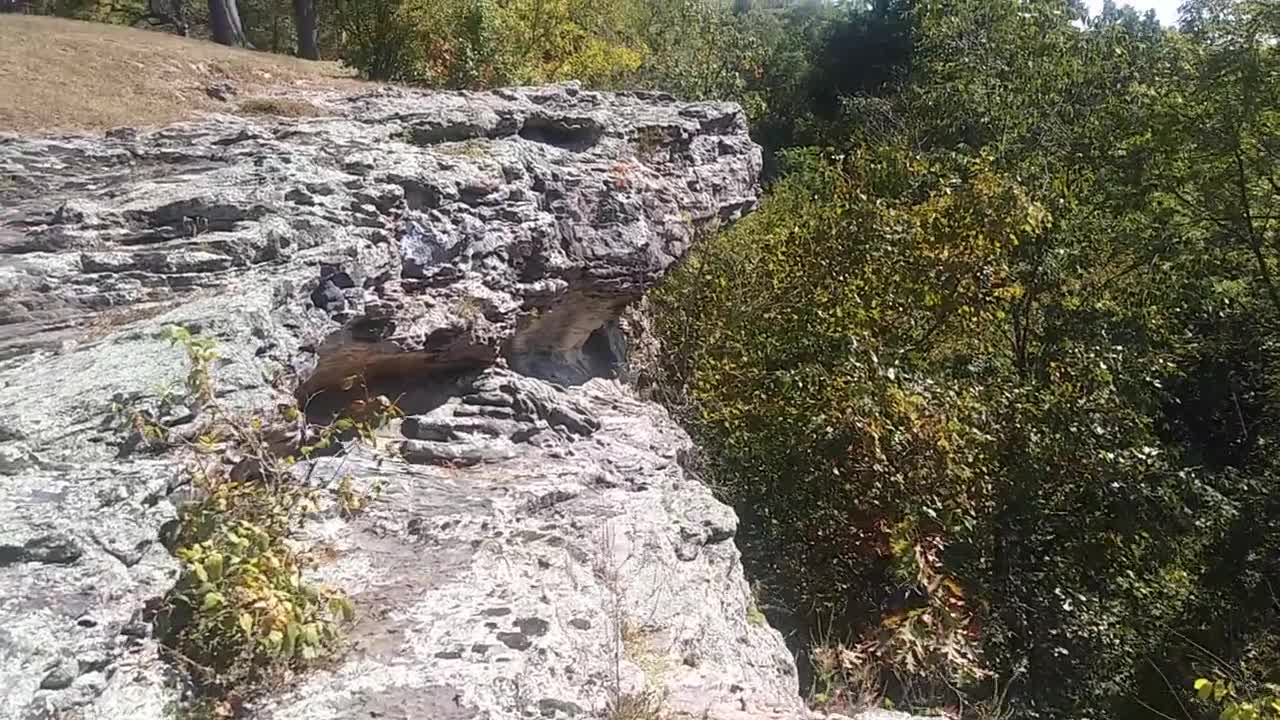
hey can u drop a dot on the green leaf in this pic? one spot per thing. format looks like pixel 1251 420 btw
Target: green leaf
pixel 246 623
pixel 290 639
pixel 211 601
pixel 213 566
pixel 345 607
pixel 1204 688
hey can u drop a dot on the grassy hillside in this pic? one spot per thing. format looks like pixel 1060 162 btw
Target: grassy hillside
pixel 58 74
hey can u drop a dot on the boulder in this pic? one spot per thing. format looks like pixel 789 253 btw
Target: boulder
pixel 535 547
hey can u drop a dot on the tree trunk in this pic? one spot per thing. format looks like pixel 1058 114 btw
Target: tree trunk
pixel 224 23
pixel 304 15
pixel 275 26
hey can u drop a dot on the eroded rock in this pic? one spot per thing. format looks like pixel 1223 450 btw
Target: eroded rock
pixel 535 548
pixel 557 569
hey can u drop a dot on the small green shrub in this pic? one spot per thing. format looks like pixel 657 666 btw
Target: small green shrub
pixel 242 609
pixel 242 613
pixel 379 41
pixel 201 354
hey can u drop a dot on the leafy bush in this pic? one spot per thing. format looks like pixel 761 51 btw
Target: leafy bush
pixel 242 612
pixel 379 40
pixel 462 43
pixel 242 609
pixel 816 318
pixel 991 383
pixel 554 40
pixel 1223 694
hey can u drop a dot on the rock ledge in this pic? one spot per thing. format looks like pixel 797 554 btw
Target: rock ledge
pixel 537 547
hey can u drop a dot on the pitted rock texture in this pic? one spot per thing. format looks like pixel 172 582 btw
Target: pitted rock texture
pixel 533 567
pixel 442 229
pixel 536 547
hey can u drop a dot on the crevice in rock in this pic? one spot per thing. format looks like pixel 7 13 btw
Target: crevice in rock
pixel 433 133
pixel 420 379
pixel 50 549
pixel 570 133
pixel 571 343
pixel 605 351
pixel 380 364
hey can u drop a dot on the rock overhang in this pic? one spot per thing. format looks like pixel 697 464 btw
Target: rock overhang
pixel 457 248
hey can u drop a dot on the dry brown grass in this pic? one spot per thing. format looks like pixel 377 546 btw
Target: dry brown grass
pixel 58 74
pixel 278 106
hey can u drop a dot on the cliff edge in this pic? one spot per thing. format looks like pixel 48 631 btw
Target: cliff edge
pixel 532 546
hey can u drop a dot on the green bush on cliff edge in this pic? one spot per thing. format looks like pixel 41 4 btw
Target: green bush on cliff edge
pixel 991 377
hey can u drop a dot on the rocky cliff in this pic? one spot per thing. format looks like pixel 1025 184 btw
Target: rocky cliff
pixel 535 544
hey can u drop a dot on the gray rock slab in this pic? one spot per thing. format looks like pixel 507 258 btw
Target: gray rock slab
pixel 535 547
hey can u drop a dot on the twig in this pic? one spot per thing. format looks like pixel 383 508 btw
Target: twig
pixel 1176 695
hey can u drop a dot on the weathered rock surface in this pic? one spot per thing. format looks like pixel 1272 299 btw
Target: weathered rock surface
pixel 540 563
pixel 536 547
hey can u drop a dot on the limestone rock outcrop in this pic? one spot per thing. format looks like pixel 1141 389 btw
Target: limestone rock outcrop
pixel 536 546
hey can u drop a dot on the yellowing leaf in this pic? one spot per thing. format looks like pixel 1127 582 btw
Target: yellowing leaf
pixel 213 567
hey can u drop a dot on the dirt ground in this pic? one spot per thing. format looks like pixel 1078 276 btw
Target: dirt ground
pixel 62 75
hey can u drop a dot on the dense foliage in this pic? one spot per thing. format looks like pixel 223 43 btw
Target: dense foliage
pixel 991 376
pixel 695 49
